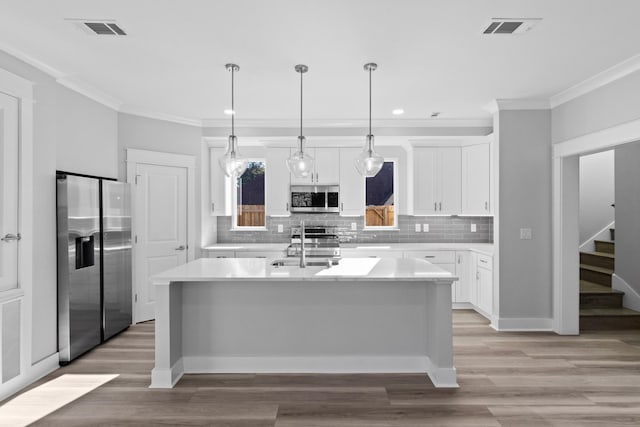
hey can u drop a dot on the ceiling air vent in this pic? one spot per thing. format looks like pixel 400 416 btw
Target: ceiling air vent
pixel 99 27
pixel 510 25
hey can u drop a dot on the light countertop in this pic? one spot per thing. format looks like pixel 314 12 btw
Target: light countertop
pixel 260 269
pixel 484 248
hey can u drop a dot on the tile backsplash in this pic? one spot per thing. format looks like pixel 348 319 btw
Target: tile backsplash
pixel 441 229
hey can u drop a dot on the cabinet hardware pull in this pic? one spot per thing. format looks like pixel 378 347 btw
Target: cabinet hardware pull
pixel 486 206
pixel 181 248
pixel 440 206
pixel 9 237
pixel 341 206
pixel 213 207
pixel 429 256
pixel 287 208
pixel 435 206
pixel 484 261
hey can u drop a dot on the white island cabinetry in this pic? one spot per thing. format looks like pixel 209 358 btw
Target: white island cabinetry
pixel 362 316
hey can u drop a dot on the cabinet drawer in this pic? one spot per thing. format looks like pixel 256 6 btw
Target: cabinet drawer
pixel 370 253
pixel 221 254
pixel 485 261
pixel 261 254
pixel 434 257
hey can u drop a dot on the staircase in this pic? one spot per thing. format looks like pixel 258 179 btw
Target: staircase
pixel 600 305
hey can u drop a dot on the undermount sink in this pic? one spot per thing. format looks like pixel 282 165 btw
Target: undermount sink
pixel 314 262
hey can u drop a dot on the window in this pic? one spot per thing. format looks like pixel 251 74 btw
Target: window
pixel 380 197
pixel 249 206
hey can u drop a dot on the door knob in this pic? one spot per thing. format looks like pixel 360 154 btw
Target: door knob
pixel 9 237
pixel 181 248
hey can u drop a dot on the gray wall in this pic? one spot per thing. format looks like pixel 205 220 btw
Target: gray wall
pixel 67 127
pixel 596 193
pixel 156 135
pixel 524 143
pixel 628 214
pixel 616 103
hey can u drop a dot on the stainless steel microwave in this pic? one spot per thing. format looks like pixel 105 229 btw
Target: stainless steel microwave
pixel 315 198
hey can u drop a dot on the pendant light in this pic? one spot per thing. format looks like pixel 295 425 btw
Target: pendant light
pixel 232 163
pixel 300 164
pixel 368 163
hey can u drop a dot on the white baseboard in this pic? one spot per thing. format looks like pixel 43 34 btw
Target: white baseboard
pixel 37 371
pixel 589 245
pixel 631 297
pixel 441 377
pixel 167 378
pixel 462 306
pixel 522 324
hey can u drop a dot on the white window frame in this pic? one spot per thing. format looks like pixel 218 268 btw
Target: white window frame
pixel 396 209
pixel 234 201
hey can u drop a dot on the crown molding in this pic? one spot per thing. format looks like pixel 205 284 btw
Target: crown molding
pixel 90 92
pixel 607 76
pixel 352 123
pixel 143 112
pixel 35 63
pixel 517 104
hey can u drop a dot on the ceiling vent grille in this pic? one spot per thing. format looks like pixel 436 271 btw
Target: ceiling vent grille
pixel 99 27
pixel 510 25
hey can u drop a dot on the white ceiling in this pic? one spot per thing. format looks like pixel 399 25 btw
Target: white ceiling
pixel 432 54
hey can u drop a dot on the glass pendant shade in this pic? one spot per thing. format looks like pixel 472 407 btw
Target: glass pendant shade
pixel 300 164
pixel 368 163
pixel 232 163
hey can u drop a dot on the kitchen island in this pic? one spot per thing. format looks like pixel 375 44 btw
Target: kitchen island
pixel 364 315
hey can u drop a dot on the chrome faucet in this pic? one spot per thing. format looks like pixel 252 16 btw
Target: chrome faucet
pixel 303 259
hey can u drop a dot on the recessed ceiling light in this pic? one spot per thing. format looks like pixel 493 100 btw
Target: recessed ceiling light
pixel 398 111
pixel 229 112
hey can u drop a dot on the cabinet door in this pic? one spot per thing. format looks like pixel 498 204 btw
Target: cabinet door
pixel 424 185
pixel 219 185
pixel 464 271
pixel 485 290
pixel 277 185
pixel 327 165
pixel 449 180
pixel 351 184
pixel 476 179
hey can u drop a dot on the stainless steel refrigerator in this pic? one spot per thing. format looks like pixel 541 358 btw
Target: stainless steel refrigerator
pixel 94 262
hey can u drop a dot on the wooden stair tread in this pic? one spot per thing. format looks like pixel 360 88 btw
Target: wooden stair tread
pixel 605 241
pixel 600 254
pixel 608 312
pixel 587 287
pixel 596 269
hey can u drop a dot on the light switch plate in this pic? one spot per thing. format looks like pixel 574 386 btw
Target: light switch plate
pixel 417 228
pixel 280 228
pixel 354 226
pixel 525 234
pixel 425 228
pixel 474 228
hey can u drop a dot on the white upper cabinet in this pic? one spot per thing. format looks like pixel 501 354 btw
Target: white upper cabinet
pixel 351 184
pixel 476 179
pixel 437 180
pixel 277 185
pixel 218 184
pixel 326 170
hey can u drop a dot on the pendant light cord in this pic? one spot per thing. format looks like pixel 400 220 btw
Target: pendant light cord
pixel 233 108
pixel 369 100
pixel 301 102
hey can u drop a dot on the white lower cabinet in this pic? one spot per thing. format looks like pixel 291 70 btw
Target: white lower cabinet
pixel 370 253
pixel 484 284
pixel 261 254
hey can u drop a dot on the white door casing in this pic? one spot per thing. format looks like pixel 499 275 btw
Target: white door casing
pixel 9 185
pixel 163 220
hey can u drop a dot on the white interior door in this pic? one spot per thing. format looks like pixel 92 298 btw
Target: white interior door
pixel 8 192
pixel 161 228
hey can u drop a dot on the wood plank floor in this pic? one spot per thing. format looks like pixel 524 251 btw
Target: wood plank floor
pixel 506 379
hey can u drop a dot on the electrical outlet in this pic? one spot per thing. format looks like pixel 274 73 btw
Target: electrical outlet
pixel 474 228
pixel 417 228
pixel 354 226
pixel 280 228
pixel 425 228
pixel 525 234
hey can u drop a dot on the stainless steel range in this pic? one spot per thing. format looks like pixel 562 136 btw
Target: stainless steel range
pixel 319 241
